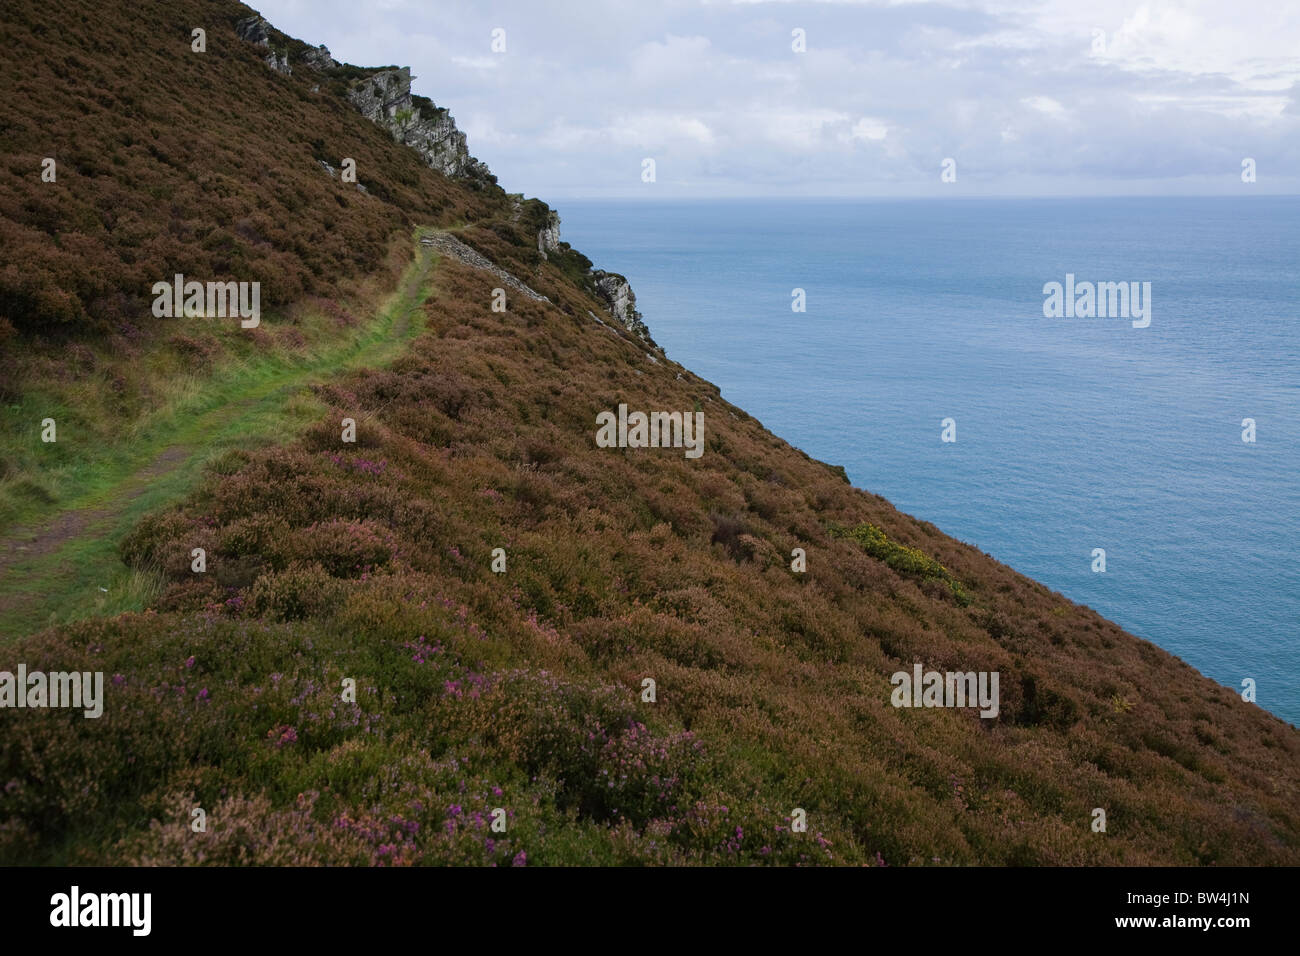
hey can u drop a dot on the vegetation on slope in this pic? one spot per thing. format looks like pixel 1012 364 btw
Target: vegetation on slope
pixel 170 161
pixel 523 690
pixel 69 569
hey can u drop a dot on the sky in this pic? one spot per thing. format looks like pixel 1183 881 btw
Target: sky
pixel 1026 97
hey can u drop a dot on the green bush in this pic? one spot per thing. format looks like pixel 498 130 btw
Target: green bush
pixel 906 561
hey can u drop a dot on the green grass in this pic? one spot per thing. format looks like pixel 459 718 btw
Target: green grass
pixel 259 399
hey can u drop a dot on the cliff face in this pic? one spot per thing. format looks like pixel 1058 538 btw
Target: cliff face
pixel 617 294
pixel 385 98
pixel 548 237
pixel 257 30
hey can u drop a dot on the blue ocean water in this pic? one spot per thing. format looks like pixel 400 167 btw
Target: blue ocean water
pixel 1072 433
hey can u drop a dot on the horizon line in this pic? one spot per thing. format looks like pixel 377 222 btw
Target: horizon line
pixel 868 198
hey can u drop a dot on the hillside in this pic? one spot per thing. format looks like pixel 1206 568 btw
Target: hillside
pixel 374 561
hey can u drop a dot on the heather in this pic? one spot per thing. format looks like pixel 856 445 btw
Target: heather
pixel 905 560
pixel 373 562
pixel 168 162
pixel 368 565
pixel 207 164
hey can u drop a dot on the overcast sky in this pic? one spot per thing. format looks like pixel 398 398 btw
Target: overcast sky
pixel 1029 97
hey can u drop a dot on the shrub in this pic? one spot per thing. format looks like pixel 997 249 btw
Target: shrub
pixel 301 590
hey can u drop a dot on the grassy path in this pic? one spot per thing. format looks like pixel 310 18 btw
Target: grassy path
pixel 64 565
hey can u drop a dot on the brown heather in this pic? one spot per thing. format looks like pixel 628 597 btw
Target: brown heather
pixel 171 161
pixel 522 690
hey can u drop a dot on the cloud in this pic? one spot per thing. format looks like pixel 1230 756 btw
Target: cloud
pixel 649 130
pixel 477 62
pixel 1106 96
pixel 870 129
pixel 1044 104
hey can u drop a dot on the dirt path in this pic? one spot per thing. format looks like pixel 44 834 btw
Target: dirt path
pixel 31 543
pixel 46 553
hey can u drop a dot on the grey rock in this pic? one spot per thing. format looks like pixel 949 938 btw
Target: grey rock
pixel 617 294
pixel 257 30
pixel 448 245
pixel 319 58
pixel 548 237
pixel 254 30
pixel 385 98
pixel 279 62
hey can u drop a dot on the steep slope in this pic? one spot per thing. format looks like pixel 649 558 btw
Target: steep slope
pixel 515 680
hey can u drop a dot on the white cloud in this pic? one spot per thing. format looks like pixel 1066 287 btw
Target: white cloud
pixel 477 62
pixel 1181 90
pixel 655 130
pixel 872 129
pixel 1044 104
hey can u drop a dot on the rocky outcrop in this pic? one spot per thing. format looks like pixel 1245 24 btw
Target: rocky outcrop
pixel 621 300
pixel 318 58
pixel 380 95
pixel 548 237
pixel 257 30
pixel 385 98
pixel 279 62
pixel 254 30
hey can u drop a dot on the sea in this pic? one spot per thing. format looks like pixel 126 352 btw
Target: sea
pixel 1072 433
